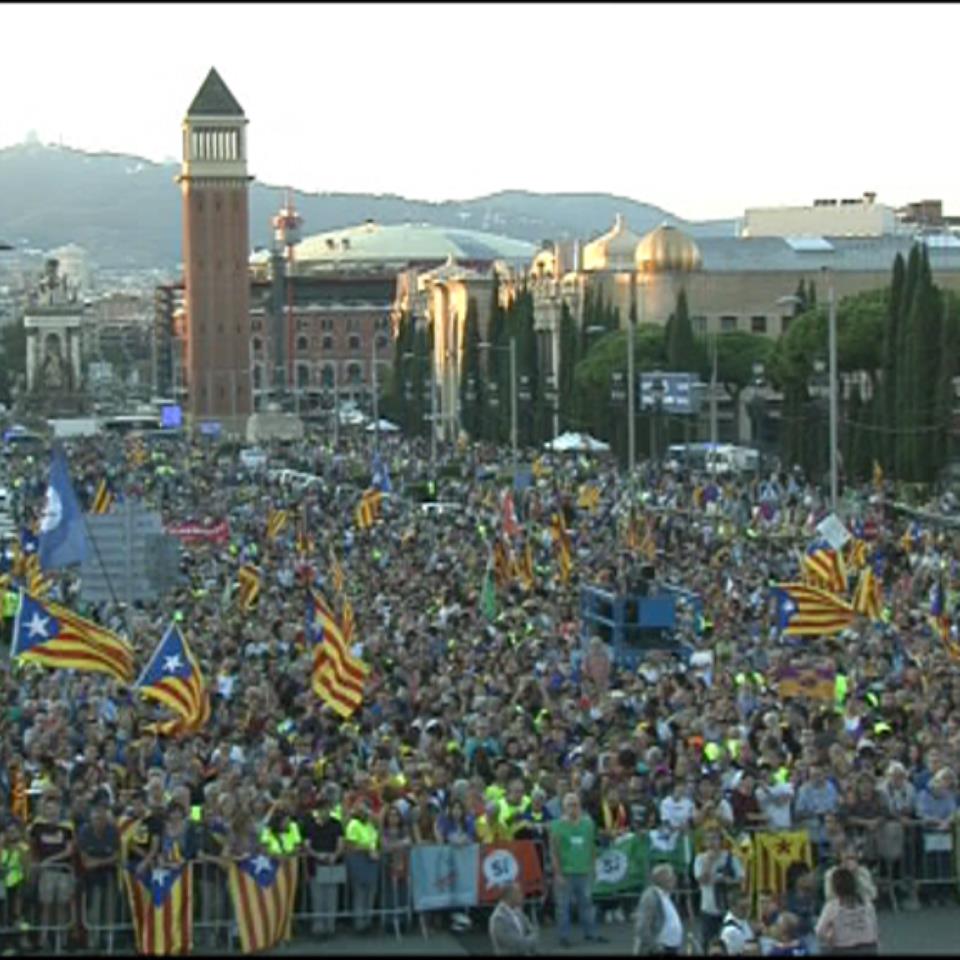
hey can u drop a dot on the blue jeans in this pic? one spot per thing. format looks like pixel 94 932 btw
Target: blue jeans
pixel 576 887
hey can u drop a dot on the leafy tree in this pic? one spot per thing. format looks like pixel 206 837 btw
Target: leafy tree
pixel 13 350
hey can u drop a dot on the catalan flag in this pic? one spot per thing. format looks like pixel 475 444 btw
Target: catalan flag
pixel 502 565
pixel 803 610
pixel 368 508
pixel 858 553
pixel 304 542
pixel 336 573
pixel 248 592
pixel 36 583
pixel 564 551
pixel 631 536
pixel 348 621
pixel 103 498
pixel 161 907
pixel 939 619
pixel 172 677
pixel 338 677
pixel 53 636
pixel 867 599
pixel 648 546
pixel 509 514
pixel 589 497
pixel 276 523
pixel 525 568
pixel 137 454
pixel 262 890
pixel 823 567
pixel 178 726
pixel 774 853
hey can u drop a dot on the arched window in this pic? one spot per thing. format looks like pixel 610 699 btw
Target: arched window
pixel 257 344
pixel 355 373
pixel 303 375
pixel 302 344
pixel 327 376
pixel 328 342
pixel 354 341
pixel 258 377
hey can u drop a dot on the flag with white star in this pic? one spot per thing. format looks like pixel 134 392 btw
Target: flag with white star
pixel 803 610
pixel 263 889
pixel 172 677
pixel 161 906
pixel 51 635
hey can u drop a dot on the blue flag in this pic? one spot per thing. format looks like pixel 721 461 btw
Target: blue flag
pixel 63 539
pixel 381 475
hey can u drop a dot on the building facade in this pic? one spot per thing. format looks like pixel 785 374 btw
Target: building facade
pixel 216 243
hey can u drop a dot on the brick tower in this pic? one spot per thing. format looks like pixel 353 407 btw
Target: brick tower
pixel 216 244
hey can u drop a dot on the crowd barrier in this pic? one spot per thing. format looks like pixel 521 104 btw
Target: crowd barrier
pixel 425 885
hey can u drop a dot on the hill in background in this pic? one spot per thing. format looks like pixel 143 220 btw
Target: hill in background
pixel 126 210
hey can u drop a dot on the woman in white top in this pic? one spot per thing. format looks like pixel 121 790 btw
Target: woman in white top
pixel 848 921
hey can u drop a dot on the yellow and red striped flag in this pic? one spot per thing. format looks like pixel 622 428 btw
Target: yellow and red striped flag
pixel 867 600
pixel 263 889
pixel 336 573
pixel 824 567
pixel 248 590
pixel 525 568
pixel 338 677
pixel 103 498
pixel 161 907
pixel 803 610
pixel 589 497
pixel 502 564
pixel 53 636
pixel 348 621
pixel 368 508
pixel 564 550
pixel 172 677
pixel 276 523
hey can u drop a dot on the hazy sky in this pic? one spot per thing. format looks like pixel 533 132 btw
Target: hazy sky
pixel 701 109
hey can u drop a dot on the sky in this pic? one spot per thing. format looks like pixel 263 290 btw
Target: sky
pixel 703 110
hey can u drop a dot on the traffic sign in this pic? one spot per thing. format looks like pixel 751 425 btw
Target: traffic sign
pixel 682 392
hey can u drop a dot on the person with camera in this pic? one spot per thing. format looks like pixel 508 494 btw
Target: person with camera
pixel 719 874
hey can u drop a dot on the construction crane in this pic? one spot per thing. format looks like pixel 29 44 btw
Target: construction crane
pixel 286 235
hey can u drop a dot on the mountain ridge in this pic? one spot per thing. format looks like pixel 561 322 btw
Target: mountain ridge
pixel 125 211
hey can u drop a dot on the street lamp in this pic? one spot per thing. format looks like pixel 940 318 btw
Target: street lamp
pixel 757 409
pixel 658 390
pixel 551 394
pixel 494 394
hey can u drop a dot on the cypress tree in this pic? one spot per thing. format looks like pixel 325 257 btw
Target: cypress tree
pixel 567 364
pixel 904 423
pixel 887 408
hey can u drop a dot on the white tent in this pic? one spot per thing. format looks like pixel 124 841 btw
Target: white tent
pixel 385 427
pixel 576 443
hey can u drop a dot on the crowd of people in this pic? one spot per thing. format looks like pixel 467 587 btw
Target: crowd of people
pixel 479 726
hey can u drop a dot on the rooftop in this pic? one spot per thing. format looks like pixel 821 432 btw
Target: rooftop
pixel 214 99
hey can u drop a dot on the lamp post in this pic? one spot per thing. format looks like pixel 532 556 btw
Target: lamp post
pixel 631 392
pixel 552 395
pixel 657 389
pixel 495 398
pixel 757 409
pixel 819 387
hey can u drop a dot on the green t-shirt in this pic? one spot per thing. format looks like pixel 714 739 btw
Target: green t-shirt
pixel 575 845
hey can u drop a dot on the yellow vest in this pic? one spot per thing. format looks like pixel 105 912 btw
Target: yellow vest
pixel 362 835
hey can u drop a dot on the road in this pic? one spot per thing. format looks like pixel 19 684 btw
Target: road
pixel 933 932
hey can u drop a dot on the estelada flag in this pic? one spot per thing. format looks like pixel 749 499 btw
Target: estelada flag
pixel 263 889
pixel 773 855
pixel 161 907
pixel 503 863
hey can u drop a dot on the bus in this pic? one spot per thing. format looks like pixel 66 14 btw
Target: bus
pixel 132 423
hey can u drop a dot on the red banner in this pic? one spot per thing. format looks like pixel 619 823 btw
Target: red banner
pixel 503 863
pixel 200 533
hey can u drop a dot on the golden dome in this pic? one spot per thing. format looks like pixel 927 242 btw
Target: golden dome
pixel 612 250
pixel 666 250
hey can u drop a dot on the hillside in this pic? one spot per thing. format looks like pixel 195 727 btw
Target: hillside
pixel 126 210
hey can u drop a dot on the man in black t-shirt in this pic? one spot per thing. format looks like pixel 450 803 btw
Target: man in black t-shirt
pixel 52 847
pixel 324 839
pixel 99 843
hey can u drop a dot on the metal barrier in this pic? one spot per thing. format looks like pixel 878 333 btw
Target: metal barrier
pixel 39 911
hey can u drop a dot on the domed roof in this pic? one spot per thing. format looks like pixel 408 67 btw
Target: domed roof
pixel 666 250
pixel 613 249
